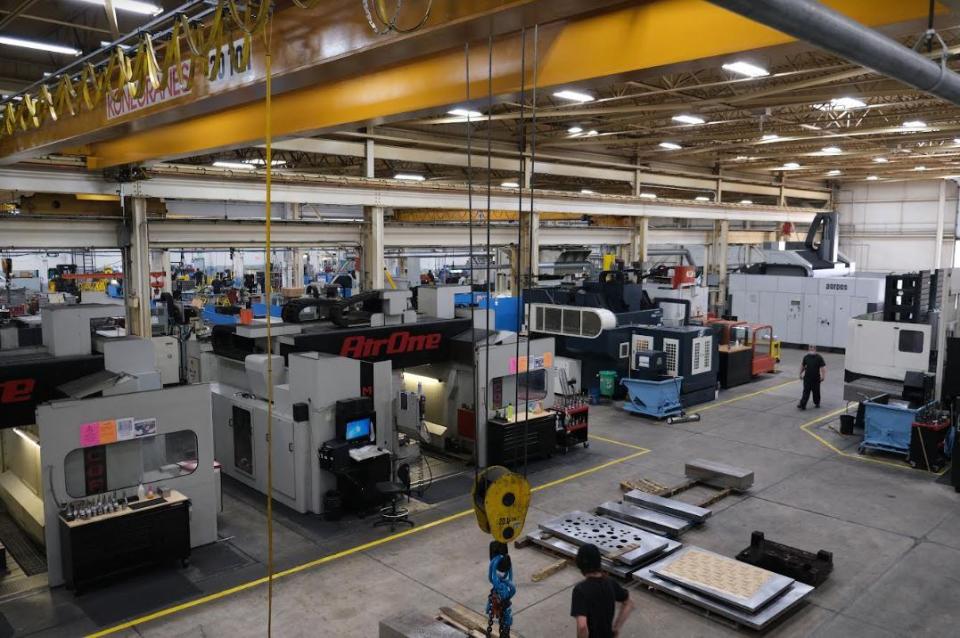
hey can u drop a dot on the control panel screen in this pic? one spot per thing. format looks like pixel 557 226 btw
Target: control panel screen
pixel 358 429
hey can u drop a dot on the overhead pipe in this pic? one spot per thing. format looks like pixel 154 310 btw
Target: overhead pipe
pixel 827 29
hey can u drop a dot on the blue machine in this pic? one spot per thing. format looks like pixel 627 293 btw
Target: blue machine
pixel 657 398
pixel 887 427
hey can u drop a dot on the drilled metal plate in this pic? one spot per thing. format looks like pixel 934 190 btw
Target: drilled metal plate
pixel 568 549
pixel 777 608
pixel 725 579
pixel 656 522
pixel 617 541
pixel 667 506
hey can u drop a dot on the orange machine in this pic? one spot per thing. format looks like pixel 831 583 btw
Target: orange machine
pixel 761 340
pixel 726 325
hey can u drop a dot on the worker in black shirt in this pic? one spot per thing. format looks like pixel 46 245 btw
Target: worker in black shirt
pixel 595 598
pixel 813 371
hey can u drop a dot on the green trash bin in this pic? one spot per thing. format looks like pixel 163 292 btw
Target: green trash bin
pixel 608 382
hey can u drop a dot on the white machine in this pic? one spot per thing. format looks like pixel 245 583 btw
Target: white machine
pixel 804 310
pixel 880 353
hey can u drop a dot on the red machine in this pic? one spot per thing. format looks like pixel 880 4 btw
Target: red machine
pixel 683 276
pixel 726 326
pixel 761 340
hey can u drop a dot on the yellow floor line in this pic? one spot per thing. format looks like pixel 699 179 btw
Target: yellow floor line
pixel 717 404
pixel 594 437
pixel 169 611
pixel 859 457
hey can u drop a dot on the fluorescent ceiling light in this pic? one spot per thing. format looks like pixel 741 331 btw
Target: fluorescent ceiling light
pixel 670 146
pixel 920 168
pixel 834 172
pixel 465 113
pixel 688 119
pixel 574 96
pixel 841 104
pixel 831 150
pixel 872 178
pixel 770 136
pixel 573 130
pixel 586 191
pixel 133 6
pixel 956 140
pixel 235 165
pixel 260 162
pixel 37 46
pixel 746 201
pixel 791 165
pixel 740 158
pixel 747 69
pixel 880 160
pixel 914 124
pixel 648 195
pixel 703 198
pixel 411 177
pixel 510 184
pixel 592 132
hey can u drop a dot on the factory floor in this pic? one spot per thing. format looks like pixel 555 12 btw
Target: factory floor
pixel 894 533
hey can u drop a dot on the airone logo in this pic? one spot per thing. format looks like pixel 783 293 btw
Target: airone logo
pixel 16 390
pixel 360 347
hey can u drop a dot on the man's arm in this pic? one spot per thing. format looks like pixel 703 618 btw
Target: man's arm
pixel 582 631
pixel 823 373
pixel 803 369
pixel 626 608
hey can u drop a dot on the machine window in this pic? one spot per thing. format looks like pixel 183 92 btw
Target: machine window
pixel 911 341
pixel 125 464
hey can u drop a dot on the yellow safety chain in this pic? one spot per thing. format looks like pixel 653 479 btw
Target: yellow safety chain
pixel 118 75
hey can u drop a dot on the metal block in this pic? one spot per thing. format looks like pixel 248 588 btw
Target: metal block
pixel 724 579
pixel 719 474
pixel 668 506
pixel 416 624
pixel 568 549
pixel 656 522
pixel 618 541
pixel 790 599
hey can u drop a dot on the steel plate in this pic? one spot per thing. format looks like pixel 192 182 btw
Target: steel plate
pixel 668 506
pixel 617 541
pixel 656 522
pixel 568 549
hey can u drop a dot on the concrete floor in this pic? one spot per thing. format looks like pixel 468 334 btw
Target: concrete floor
pixel 894 533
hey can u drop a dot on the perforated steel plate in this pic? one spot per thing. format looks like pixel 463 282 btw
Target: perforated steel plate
pixel 617 541
pixel 568 549
pixel 728 580
pixel 656 522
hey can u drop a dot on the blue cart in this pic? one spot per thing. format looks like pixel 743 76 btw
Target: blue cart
pixel 887 427
pixel 658 399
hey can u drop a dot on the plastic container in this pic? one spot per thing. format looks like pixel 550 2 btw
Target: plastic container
pixel 608 382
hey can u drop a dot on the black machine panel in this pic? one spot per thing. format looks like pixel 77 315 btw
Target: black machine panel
pixel 26 382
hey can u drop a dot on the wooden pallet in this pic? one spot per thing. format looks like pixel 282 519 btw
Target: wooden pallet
pixel 468 621
pixel 657 489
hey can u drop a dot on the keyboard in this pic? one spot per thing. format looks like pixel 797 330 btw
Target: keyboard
pixel 366 452
pixel 147 503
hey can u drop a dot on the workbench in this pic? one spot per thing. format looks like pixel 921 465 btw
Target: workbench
pixel 507 445
pixel 736 365
pixel 104 546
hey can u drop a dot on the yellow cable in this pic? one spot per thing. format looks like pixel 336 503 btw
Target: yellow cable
pixel 268 140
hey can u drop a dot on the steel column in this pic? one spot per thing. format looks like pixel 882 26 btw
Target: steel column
pixel 137 279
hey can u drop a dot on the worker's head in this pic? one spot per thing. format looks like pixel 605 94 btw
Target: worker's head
pixel 588 559
pixel 812 348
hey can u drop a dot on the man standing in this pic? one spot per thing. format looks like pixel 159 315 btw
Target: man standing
pixel 813 371
pixel 595 598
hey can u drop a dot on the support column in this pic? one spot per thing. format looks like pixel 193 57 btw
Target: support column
pixel 529 228
pixel 721 235
pixel 639 233
pixel 941 211
pixel 293 270
pixel 372 245
pixel 136 279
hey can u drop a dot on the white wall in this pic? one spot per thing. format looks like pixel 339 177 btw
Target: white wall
pixel 891 226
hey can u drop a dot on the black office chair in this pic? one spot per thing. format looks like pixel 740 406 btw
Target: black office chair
pixel 393 491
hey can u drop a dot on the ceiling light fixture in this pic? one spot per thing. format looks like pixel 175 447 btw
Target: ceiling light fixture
pixel 770 137
pixel 831 150
pixel 510 184
pixel 746 201
pixel 688 119
pixel 914 124
pixel 240 166
pixel 703 198
pixel 586 191
pixel 464 113
pixel 104 44
pixel 410 177
pixel 670 146
pixel 37 46
pixel 872 178
pixel 920 168
pixel 259 162
pixel 648 195
pixel 592 132
pixel 573 130
pixel 745 68
pixel 791 165
pixel 841 104
pixel 880 160
pixel 574 96
pixel 834 172
pixel 133 6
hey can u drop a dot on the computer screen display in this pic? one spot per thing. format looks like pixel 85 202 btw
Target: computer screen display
pixel 358 429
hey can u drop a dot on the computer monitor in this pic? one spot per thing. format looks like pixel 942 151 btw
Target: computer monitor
pixel 357 429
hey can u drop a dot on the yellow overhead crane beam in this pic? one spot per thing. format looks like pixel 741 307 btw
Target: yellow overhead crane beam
pixel 370 83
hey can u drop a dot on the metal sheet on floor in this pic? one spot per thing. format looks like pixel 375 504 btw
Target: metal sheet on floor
pixel 568 549
pixel 618 541
pixel 656 522
pixel 667 506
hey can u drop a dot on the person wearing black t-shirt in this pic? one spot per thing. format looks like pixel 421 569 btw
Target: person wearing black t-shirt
pixel 813 371
pixel 595 598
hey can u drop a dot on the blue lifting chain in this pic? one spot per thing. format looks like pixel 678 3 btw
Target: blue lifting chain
pixel 501 591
